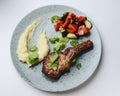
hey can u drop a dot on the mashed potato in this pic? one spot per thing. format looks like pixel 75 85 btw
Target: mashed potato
pixel 22 48
pixel 43 47
pixel 42 44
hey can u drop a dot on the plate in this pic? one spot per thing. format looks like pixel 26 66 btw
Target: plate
pixel 34 76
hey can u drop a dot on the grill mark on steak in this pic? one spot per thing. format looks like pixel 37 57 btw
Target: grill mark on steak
pixel 64 59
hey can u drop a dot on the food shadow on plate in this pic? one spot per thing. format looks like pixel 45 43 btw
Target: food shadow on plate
pixel 49 79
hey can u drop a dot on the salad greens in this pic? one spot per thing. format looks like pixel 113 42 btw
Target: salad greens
pixel 33 57
pixel 73 62
pixel 58 47
pixel 74 43
pixel 54 57
pixel 63 40
pixel 54 40
pixel 33 49
pixel 54 66
pixel 78 66
pixel 53 18
pixel 59 43
pixel 54 62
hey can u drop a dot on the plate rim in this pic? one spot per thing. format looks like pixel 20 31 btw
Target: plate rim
pixel 30 83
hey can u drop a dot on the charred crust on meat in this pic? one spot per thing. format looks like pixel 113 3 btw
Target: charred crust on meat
pixel 65 59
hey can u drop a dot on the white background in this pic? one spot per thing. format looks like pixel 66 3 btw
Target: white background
pixel 106 16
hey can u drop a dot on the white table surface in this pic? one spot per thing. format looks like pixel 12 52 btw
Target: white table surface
pixel 106 16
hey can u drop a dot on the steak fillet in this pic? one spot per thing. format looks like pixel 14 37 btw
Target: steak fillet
pixel 64 60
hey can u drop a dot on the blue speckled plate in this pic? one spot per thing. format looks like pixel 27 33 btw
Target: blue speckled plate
pixel 75 77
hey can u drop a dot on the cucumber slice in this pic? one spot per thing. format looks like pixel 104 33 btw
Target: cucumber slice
pixel 88 24
pixel 71 35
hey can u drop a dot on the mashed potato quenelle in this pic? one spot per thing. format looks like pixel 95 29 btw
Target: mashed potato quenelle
pixel 24 54
pixel 43 47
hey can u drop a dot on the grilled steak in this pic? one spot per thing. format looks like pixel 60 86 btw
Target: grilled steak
pixel 64 59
